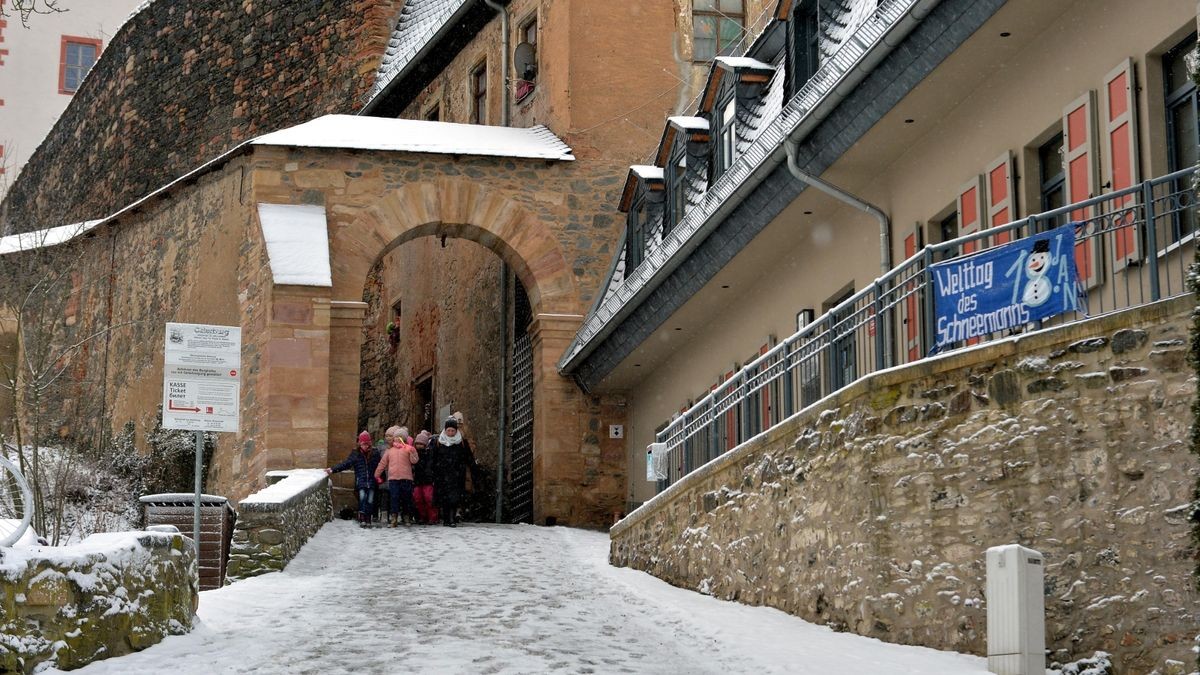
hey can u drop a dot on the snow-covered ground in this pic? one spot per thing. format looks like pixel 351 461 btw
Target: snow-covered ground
pixel 497 599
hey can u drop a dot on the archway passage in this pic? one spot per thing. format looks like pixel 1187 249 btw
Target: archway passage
pixel 451 335
pixel 531 214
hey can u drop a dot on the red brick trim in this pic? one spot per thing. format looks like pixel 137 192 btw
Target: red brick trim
pixel 62 58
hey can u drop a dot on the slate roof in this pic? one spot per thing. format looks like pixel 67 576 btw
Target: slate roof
pixel 420 21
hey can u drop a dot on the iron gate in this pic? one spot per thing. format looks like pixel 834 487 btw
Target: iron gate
pixel 520 472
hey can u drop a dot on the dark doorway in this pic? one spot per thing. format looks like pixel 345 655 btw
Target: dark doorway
pixel 423 403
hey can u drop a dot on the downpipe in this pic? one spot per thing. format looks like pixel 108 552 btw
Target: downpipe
pixel 505 55
pixel 885 225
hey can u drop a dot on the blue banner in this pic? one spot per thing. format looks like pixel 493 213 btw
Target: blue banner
pixel 1005 287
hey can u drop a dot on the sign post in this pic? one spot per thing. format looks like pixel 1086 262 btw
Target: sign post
pixel 201 388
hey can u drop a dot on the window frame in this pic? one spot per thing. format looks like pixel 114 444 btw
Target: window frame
pixel 635 232
pixel 804 27
pixel 1048 185
pixel 433 113
pixel 66 40
pixel 1180 97
pixel 676 180
pixel 479 94
pixel 718 17
pixel 725 147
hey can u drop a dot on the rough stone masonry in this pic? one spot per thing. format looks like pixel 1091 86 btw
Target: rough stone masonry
pixel 871 512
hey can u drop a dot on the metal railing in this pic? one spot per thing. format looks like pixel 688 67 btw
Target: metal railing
pixel 1132 247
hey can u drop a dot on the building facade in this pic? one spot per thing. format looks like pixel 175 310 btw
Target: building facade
pixel 42 64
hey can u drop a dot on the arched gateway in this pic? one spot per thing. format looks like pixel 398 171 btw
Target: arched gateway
pixel 523 197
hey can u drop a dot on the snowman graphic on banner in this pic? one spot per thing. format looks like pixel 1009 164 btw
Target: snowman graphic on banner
pixel 1037 286
pixel 1040 285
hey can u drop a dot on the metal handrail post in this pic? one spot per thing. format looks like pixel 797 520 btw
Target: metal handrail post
pixel 926 287
pixel 789 387
pixel 1151 239
pixel 880 356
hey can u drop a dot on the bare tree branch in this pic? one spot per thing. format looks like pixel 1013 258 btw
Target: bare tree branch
pixel 28 8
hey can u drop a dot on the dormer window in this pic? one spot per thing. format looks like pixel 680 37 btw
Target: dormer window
pixel 805 43
pixel 641 201
pixel 734 90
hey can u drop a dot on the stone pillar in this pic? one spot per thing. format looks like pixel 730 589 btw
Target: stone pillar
pixel 345 362
pixel 294 382
pixel 578 477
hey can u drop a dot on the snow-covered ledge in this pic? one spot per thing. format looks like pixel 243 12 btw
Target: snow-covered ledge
pixel 275 522
pixel 111 594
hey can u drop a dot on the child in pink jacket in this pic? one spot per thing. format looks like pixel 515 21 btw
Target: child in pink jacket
pixel 397 466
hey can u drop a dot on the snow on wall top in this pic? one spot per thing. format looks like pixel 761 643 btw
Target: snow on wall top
pixel 213 500
pixel 52 236
pixel 297 238
pixel 420 21
pixel 378 133
pixel 298 481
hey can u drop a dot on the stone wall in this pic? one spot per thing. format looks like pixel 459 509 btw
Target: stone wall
pixel 871 511
pixel 110 595
pixel 274 523
pixel 183 81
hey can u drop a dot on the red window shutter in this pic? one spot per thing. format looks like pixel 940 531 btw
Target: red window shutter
pixel 1000 201
pixel 970 208
pixel 1079 168
pixel 1120 135
pixel 910 314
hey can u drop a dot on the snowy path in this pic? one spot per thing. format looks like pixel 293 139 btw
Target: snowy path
pixel 496 599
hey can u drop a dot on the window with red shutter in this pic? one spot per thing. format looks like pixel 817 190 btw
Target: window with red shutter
pixel 970 207
pixel 1120 136
pixel 1000 190
pixel 1079 169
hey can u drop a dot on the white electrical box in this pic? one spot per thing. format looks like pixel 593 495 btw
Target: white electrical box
pixel 656 462
pixel 1016 615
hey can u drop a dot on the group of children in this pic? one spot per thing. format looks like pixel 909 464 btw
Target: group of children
pixel 425 475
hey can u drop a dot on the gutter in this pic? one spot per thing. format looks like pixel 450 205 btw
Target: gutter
pixel 894 36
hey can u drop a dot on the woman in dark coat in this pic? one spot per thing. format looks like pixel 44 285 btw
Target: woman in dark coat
pixel 450 457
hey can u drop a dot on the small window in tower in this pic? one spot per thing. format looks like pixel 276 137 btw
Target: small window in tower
pixel 525 58
pixel 434 114
pixel 716 28
pixel 78 55
pixel 479 94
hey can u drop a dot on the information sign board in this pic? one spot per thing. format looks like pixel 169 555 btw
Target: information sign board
pixel 202 377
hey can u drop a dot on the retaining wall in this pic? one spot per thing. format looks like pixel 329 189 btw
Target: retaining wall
pixel 274 523
pixel 112 594
pixel 871 511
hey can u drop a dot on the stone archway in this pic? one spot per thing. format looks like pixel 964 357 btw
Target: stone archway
pixel 313 337
pixel 463 210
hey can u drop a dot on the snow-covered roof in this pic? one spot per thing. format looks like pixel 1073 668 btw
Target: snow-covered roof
pixel 689 123
pixel 743 62
pixel 52 236
pixel 647 171
pixel 378 133
pixel 297 238
pixel 420 22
